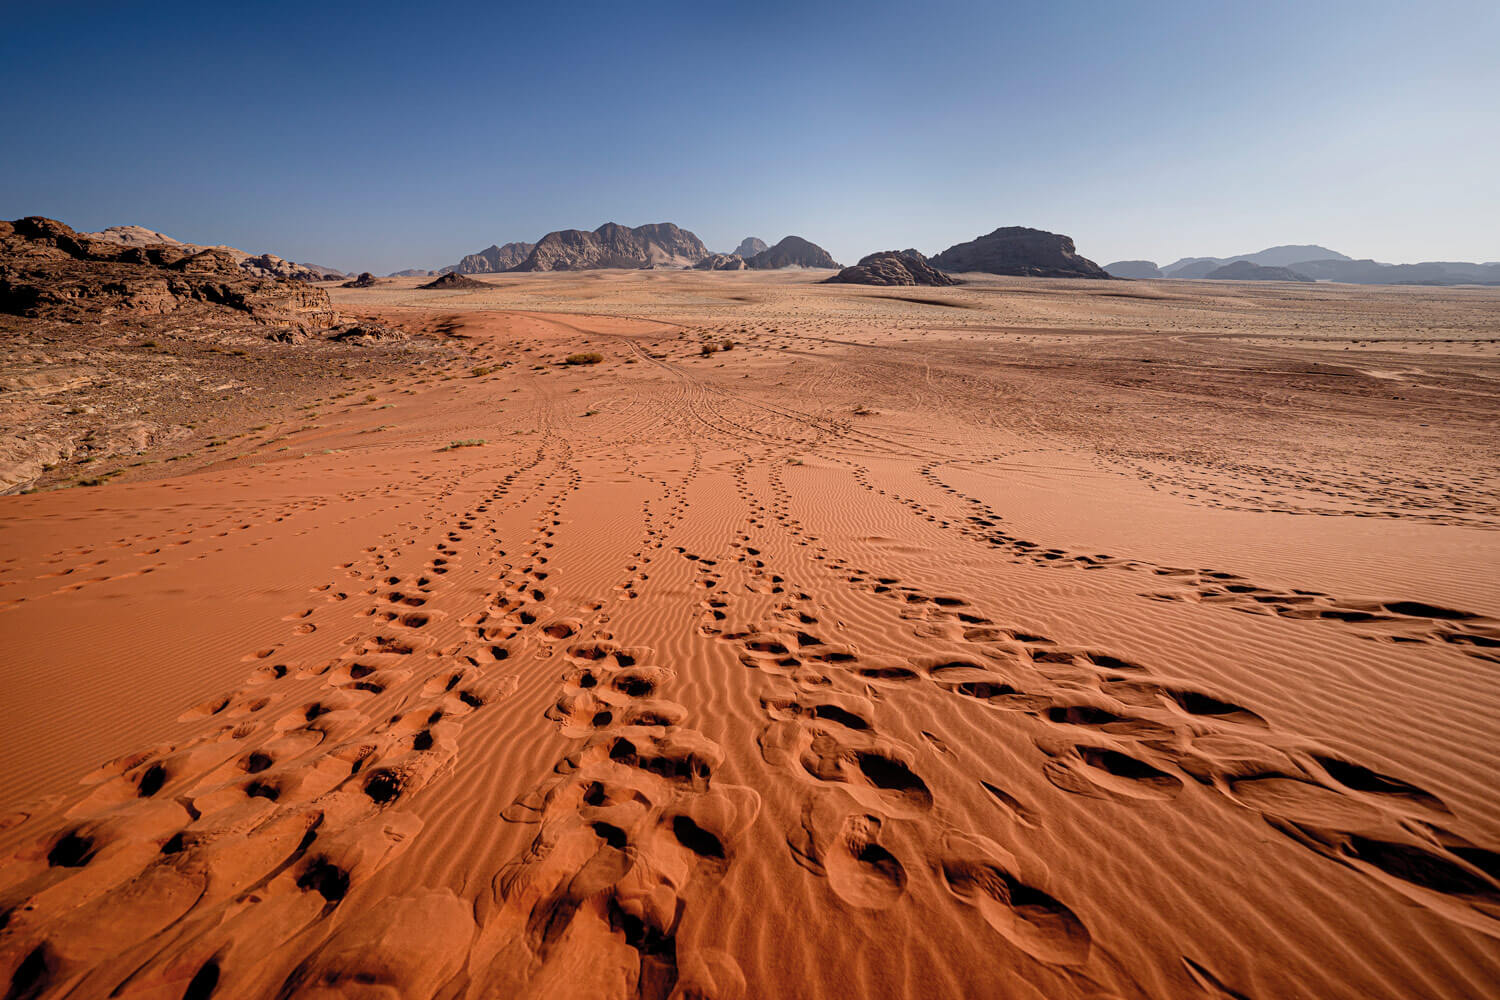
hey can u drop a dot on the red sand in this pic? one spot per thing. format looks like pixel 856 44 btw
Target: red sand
pixel 900 650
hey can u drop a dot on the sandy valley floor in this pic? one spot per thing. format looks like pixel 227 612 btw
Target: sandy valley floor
pixel 1023 639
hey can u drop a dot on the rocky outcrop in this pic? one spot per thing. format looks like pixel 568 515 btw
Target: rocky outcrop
pixel 366 333
pixel 268 265
pixel 493 259
pixel 893 267
pixel 265 265
pixel 1243 270
pixel 749 247
pixel 49 271
pixel 793 251
pixel 365 280
pixel 1138 269
pixel 454 280
pixel 1017 250
pixel 721 262
pixel 611 245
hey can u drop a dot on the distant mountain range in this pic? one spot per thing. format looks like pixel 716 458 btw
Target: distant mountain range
pixel 1310 262
pixel 659 245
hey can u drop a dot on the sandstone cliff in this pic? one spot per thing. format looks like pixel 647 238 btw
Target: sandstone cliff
pixel 793 251
pixel 612 245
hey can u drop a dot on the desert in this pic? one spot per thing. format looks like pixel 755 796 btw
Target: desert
pixel 1028 636
pixel 680 501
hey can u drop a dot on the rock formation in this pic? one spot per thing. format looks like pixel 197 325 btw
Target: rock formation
pixel 493 259
pixel 612 245
pixel 793 251
pixel 454 280
pixel 365 280
pixel 49 271
pixel 415 272
pixel 1243 270
pixel 721 262
pixel 893 267
pixel 749 247
pixel 1133 269
pixel 1017 250
pixel 264 265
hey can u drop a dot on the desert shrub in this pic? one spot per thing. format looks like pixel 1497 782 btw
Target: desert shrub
pixel 708 349
pixel 480 371
pixel 590 358
pixel 727 345
pixel 464 443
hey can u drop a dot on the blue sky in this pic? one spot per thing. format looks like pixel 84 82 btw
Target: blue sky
pixel 374 136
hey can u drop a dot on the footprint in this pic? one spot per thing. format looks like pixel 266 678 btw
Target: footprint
pixel 980 873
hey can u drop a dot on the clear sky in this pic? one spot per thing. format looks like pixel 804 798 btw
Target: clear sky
pixel 375 136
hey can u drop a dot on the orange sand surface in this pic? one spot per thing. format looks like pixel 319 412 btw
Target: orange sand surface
pixel 1023 639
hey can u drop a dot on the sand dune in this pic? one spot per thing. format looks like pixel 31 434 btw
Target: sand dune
pixel 1026 638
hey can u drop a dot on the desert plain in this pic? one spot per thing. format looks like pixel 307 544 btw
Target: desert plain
pixel 1027 638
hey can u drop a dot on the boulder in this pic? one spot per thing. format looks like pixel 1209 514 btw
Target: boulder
pixel 721 262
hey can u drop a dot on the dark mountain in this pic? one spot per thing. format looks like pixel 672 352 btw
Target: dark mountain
pixel 892 267
pixel 749 247
pixel 1243 270
pixel 793 251
pixel 659 245
pixel 1133 269
pixel 1017 250
pixel 454 280
pixel 1282 256
pixel 492 259
pixel 1369 272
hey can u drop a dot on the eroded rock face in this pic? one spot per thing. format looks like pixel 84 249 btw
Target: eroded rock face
pixel 658 245
pixel 721 262
pixel 793 251
pixel 266 265
pixel 750 246
pixel 1017 250
pixel 493 259
pixel 49 271
pixel 893 267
